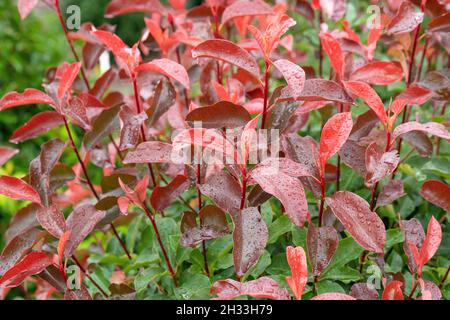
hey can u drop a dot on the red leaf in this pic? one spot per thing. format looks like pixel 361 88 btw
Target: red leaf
pixel 432 241
pixel 415 95
pixel 379 164
pixel 433 128
pixel 29 96
pixel 213 140
pixel 17 189
pixel 334 134
pixel 333 296
pixel 138 193
pixel 369 96
pixel 32 264
pixel 262 288
pixel 103 83
pixel 436 192
pixel 420 142
pixel 81 222
pixel 22 221
pixel 363 224
pixel 277 27
pixel 229 52
pixel 250 237
pixel 224 190
pixel 52 220
pixel 414 235
pixel 123 203
pixel 150 152
pixel 322 244
pixel 378 73
pixel 25 7
pixel 67 78
pixel 289 190
pixel 125 56
pixel 118 7
pixel 7 153
pixel 354 156
pixel 323 90
pixel 295 77
pixel 223 114
pixel 362 291
pixel 17 248
pixel 393 291
pixel 333 49
pixel 77 111
pixel 37 125
pixel 430 291
pixel 80 294
pixel 243 8
pixel 131 130
pixel 406 19
pixel 62 243
pixel 296 258
pixel 213 225
pixel 390 192
pixel 168 68
pixel 439 24
pixel 162 197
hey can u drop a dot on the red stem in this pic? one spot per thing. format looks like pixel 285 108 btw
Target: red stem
pixel 177 51
pixel 86 81
pixel 416 282
pixel 374 189
pixel 69 41
pixel 320 46
pixel 200 206
pixel 161 244
pixel 409 80
pixel 322 200
pixel 89 277
pixel 89 181
pixel 266 95
pixel 143 133
pixel 422 59
pixel 441 285
pixel 122 244
pixel 80 160
pixel 244 190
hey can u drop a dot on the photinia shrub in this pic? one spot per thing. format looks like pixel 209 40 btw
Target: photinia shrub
pixel 281 150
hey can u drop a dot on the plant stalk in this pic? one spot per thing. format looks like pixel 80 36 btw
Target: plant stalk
pixel 266 95
pixel 89 182
pixel 161 244
pixel 89 277
pixel 143 134
pixel 200 206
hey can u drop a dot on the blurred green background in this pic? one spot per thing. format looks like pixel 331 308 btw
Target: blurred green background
pixel 28 49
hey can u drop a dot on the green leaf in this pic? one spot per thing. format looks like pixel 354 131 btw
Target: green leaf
pixel 133 232
pixel 439 166
pixel 394 263
pixel 258 269
pixel 344 274
pixel 279 227
pixel 224 263
pixel 299 236
pixel 329 286
pixel 149 275
pixel 393 236
pixel 196 287
pixel 279 265
pixel 348 250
